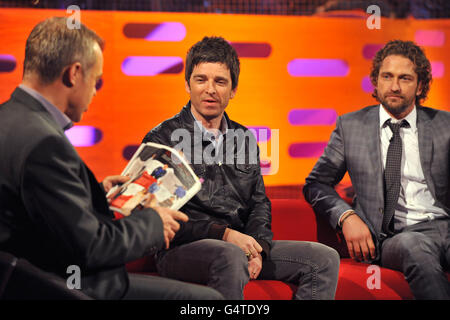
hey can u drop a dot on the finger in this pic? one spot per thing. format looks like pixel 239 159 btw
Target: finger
pixel 107 185
pixel 249 248
pixel 358 251
pixel 121 179
pixel 166 240
pixel 146 201
pixel 253 253
pixel 113 180
pixel 252 272
pixel 150 203
pixel 257 272
pixel 365 250
pixel 174 225
pixel 171 234
pixel 168 236
pixel 177 215
pixel 180 216
pixel 350 250
pixel 112 195
pixel 371 247
pixel 257 246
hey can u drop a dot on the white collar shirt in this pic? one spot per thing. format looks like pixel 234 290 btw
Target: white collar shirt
pixel 415 203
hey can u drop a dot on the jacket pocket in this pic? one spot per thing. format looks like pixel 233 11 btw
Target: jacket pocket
pixel 243 168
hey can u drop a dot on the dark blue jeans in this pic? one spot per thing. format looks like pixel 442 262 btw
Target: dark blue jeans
pixel 422 253
pixel 223 266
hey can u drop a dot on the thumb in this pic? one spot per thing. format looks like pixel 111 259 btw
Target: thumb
pixel 180 216
pixel 122 179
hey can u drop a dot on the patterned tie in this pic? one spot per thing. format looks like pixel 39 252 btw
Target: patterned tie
pixel 392 175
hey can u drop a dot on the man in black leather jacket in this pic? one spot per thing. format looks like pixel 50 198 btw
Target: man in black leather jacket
pixel 228 238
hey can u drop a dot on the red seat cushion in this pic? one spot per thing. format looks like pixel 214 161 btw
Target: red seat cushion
pixel 357 282
pixel 268 290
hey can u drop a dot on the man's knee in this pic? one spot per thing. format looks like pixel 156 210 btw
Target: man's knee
pixel 323 255
pixel 198 292
pixel 329 257
pixel 415 250
pixel 320 256
pixel 413 244
pixel 231 254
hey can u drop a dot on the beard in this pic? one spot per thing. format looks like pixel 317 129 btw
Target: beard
pixel 396 108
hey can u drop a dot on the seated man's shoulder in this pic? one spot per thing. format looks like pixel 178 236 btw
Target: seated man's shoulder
pixel 361 112
pixel 238 130
pixel 436 113
pixel 358 116
pixel 30 129
pixel 236 125
pixel 164 129
pixel 438 121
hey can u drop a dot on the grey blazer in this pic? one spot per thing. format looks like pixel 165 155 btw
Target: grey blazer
pixel 354 146
pixel 54 213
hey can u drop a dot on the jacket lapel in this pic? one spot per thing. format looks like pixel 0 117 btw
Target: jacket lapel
pixel 372 132
pixel 99 201
pixel 425 146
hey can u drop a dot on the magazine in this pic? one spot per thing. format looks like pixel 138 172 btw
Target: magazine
pixel 158 174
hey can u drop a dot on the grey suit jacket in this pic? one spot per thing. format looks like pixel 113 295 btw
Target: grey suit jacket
pixel 53 211
pixel 354 146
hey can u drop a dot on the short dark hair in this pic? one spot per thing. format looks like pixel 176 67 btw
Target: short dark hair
pixel 409 50
pixel 52 45
pixel 213 49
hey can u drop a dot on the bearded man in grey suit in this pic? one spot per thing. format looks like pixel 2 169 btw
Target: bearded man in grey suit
pixel 53 212
pixel 397 155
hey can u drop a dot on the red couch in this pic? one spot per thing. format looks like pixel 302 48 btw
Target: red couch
pixel 293 219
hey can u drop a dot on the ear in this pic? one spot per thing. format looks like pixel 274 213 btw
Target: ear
pixel 419 89
pixel 187 87
pixel 72 74
pixel 233 93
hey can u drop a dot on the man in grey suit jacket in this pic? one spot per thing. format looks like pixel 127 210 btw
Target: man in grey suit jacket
pixel 416 240
pixel 53 212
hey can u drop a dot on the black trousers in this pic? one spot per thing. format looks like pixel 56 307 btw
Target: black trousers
pixel 146 287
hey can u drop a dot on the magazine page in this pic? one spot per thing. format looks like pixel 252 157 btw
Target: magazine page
pixel 159 174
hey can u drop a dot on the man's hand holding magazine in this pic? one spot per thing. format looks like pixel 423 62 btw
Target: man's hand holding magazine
pixel 169 218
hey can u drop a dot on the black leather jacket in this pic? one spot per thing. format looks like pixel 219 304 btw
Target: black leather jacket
pixel 232 194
